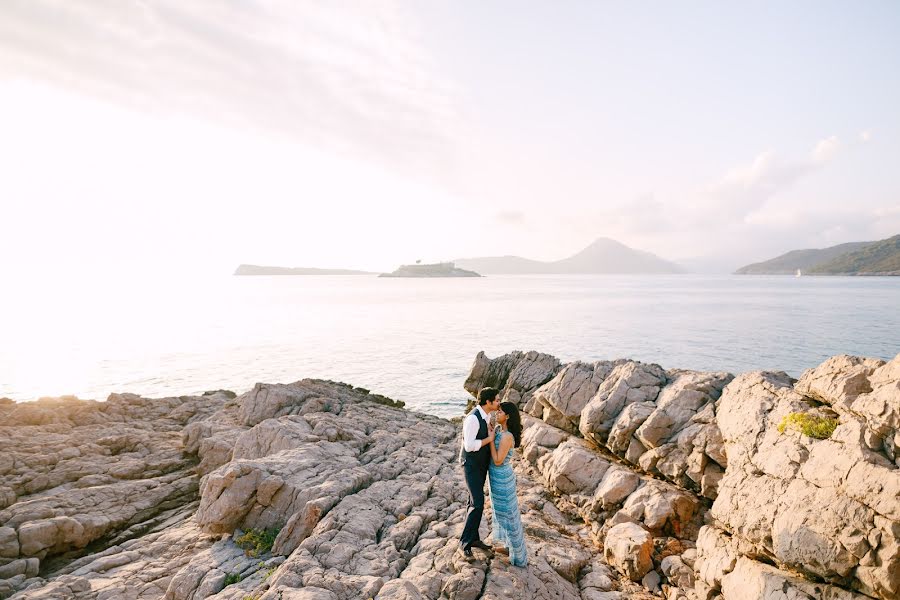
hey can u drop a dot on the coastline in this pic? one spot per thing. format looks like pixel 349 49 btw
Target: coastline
pixel 620 455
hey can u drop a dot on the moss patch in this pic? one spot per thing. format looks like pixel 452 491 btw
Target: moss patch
pixel 257 541
pixel 819 428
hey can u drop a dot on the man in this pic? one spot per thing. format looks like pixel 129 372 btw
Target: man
pixel 476 456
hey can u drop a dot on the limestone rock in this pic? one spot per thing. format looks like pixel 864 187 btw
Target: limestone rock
pixel 486 372
pixel 143 498
pixel 661 507
pixel 571 389
pixel 686 394
pixel 825 507
pixel 627 383
pixel 751 580
pixel 716 556
pixel 573 468
pixel 617 484
pixel 628 421
pixel 628 549
pixel 531 372
pixel 839 380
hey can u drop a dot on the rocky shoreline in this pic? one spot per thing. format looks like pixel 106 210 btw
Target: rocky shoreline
pixel 634 482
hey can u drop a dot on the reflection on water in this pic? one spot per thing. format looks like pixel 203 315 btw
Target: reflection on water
pixel 415 339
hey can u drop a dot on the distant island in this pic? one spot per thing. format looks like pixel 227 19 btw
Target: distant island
pixel 605 255
pixel 261 270
pixel 854 258
pixel 447 269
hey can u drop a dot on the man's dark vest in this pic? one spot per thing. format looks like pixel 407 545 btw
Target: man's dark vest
pixel 480 457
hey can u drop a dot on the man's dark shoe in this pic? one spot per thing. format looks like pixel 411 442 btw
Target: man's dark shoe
pixel 481 546
pixel 467 553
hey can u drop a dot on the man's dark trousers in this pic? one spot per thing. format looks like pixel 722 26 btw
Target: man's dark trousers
pixel 475 467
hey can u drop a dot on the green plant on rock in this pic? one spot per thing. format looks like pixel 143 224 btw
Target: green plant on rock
pixel 257 541
pixel 819 428
pixel 379 399
pixel 232 578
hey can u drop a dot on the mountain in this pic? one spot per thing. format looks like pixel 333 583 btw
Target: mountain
pixel 878 258
pixel 260 270
pixel 804 260
pixel 603 256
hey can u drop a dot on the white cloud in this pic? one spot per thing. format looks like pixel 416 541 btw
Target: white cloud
pixel 348 77
pixel 865 136
pixel 826 149
pixel 745 189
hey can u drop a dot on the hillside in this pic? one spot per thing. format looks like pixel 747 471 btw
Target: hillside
pixel 789 263
pixel 603 256
pixel 878 258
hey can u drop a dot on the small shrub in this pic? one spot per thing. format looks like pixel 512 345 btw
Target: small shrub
pixel 819 428
pixel 379 399
pixel 232 578
pixel 228 393
pixel 257 541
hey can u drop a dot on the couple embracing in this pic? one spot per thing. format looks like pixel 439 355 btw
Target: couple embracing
pixel 487 451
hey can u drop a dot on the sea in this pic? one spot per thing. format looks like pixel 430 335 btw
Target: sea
pixel 415 340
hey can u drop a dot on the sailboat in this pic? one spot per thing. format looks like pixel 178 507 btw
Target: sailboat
pixel 798 274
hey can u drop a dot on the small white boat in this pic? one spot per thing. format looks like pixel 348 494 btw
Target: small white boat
pixel 798 274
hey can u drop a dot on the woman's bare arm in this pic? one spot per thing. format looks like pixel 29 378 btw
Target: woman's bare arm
pixel 506 443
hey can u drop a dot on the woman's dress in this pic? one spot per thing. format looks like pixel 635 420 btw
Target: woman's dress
pixel 507 522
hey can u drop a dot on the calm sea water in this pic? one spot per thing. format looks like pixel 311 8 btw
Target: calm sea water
pixel 415 339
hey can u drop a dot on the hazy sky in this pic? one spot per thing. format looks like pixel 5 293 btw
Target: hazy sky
pixel 199 135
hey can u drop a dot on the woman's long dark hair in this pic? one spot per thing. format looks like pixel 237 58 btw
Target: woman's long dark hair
pixel 514 420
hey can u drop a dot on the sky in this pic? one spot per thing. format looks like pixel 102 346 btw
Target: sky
pixel 162 136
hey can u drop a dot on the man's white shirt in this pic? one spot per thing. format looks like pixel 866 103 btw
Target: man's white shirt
pixel 470 430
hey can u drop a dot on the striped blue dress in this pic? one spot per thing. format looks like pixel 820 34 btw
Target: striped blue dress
pixel 507 522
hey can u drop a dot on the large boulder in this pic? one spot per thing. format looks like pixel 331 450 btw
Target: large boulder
pixel 517 375
pixel 573 468
pixel 487 372
pixel 573 387
pixel 839 380
pixel 826 507
pixel 752 580
pixel 682 398
pixel 629 382
pixel 628 549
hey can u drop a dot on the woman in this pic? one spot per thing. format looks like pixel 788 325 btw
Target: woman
pixel 507 522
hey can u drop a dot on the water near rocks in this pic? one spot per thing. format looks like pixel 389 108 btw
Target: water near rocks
pixel 415 339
